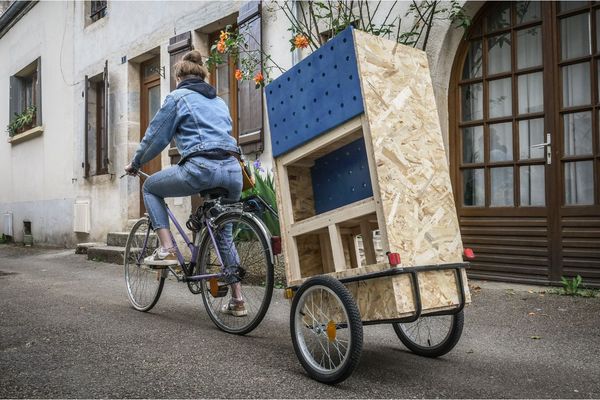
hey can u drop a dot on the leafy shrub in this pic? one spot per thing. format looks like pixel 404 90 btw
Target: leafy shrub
pixel 22 121
pixel 571 286
pixel 265 189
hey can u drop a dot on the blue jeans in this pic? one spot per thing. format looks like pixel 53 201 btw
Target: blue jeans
pixel 197 174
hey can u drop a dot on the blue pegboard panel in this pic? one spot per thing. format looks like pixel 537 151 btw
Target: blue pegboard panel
pixel 341 177
pixel 317 94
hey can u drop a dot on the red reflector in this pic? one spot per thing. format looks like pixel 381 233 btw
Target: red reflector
pixel 276 245
pixel 394 259
pixel 469 253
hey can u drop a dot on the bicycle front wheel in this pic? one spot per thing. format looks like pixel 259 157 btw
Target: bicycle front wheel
pixel 144 284
pixel 244 248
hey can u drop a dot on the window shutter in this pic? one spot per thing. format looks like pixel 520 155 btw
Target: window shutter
pixel 38 93
pixel 15 97
pixel 86 131
pixel 178 46
pixel 250 104
pixel 106 134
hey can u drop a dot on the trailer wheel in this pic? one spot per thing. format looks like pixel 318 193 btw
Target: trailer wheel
pixel 326 329
pixel 431 336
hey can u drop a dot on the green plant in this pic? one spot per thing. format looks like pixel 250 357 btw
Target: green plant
pixel 22 121
pixel 4 239
pixel 571 286
pixel 265 188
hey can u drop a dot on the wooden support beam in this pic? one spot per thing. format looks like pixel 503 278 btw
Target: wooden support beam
pixel 352 250
pixel 367 237
pixel 337 248
pixel 326 254
pixel 287 218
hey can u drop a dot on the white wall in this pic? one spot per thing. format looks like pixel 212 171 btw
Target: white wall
pixel 36 179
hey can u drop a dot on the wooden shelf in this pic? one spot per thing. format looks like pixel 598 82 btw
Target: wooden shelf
pixel 334 217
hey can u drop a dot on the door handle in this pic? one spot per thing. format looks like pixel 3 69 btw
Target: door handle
pixel 548 146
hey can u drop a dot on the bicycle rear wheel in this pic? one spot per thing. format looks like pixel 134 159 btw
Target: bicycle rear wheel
pixel 256 273
pixel 144 284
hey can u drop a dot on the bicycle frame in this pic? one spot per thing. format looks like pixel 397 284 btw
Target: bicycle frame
pixel 195 249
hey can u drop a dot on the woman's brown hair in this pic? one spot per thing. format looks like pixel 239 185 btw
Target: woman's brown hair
pixel 190 65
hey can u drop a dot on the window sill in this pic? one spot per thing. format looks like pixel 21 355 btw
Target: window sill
pixel 27 135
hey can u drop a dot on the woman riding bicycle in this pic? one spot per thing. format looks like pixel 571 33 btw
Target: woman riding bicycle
pixel 200 123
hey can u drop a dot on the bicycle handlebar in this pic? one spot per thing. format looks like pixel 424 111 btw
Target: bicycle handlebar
pixel 138 172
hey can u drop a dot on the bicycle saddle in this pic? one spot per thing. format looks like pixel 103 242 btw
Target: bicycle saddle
pixel 214 193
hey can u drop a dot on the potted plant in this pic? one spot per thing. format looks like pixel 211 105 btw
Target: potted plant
pixel 22 122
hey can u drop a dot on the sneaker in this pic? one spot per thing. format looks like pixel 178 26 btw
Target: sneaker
pixel 235 308
pixel 162 257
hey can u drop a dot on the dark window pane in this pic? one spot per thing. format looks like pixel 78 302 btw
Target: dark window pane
pixel 501 186
pixel 499 54
pixel 531 93
pixel 531 132
pixel 579 182
pixel 576 85
pixel 500 101
pixel 529 47
pixel 532 185
pixel 577 134
pixel 473 187
pixel 575 36
pixel 501 142
pixel 527 11
pixel 499 18
pixel 472 102
pixel 473 62
pixel 570 5
pixel 472 144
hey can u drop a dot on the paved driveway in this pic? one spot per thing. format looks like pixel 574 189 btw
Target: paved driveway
pixel 66 330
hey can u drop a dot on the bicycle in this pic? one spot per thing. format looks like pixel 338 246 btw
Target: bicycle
pixel 207 272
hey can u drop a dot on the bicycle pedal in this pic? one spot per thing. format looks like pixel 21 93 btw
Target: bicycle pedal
pixel 218 289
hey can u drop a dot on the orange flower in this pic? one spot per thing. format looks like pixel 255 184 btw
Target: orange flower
pixel 258 78
pixel 221 47
pixel 238 75
pixel 300 41
pixel 224 36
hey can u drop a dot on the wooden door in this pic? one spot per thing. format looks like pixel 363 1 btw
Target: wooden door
pixel 524 141
pixel 149 106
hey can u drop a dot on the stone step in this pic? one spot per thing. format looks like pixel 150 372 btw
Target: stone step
pixel 108 254
pixel 82 248
pixel 118 239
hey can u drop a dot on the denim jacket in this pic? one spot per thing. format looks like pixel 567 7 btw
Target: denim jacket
pixel 197 123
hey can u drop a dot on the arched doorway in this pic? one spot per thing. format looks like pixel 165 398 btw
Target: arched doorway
pixel 525 142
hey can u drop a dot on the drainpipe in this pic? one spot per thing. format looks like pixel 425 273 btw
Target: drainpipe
pixel 13 14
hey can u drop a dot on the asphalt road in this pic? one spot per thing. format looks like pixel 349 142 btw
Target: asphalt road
pixel 67 330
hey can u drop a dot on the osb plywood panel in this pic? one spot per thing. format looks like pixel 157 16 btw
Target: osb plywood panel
pixel 303 202
pixel 309 253
pixel 412 169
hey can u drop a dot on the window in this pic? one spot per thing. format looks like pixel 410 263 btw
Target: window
pixel 95 10
pixel 26 97
pixel 96 124
pixel 250 99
